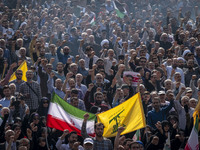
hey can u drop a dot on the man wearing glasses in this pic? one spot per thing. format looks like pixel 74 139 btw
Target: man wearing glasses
pixel 18 81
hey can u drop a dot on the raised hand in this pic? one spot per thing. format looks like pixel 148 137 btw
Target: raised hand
pixel 65 133
pixel 121 129
pixel 29 133
pixel 52 74
pixel 86 116
pixel 81 43
pixel 194 77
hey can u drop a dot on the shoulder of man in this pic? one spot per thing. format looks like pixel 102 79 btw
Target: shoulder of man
pixel 103 105
pixel 151 112
pixel 23 83
pixel 35 82
pixel 2 146
pixel 80 100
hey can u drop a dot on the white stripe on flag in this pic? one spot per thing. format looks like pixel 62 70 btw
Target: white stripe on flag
pixel 58 112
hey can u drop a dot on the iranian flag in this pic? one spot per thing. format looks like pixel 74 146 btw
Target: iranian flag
pixel 62 115
pixel 93 21
pixel 193 141
pixel 137 136
pixel 119 13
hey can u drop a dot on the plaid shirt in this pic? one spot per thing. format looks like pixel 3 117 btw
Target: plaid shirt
pixel 105 144
pixel 33 100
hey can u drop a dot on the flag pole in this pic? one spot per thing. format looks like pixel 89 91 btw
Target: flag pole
pixel 4 70
pixel 17 69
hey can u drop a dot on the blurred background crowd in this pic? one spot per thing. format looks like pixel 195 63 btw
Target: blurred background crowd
pixel 80 49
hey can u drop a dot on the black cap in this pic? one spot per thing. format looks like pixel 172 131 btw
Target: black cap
pixel 74 91
pixel 125 86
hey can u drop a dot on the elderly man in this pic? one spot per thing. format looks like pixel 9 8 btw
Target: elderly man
pixel 184 110
pixel 4 115
pixel 22 56
pixel 88 144
pixel 58 86
pixel 79 85
pixel 10 143
pixel 171 70
pixel 108 61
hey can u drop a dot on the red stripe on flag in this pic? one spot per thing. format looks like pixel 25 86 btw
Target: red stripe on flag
pixel 59 124
pixel 187 147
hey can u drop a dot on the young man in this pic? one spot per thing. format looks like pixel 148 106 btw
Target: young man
pixel 158 113
pixel 32 92
pixel 100 142
pixel 5 102
pixel 18 81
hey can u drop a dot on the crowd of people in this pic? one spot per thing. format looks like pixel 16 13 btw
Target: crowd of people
pixel 80 50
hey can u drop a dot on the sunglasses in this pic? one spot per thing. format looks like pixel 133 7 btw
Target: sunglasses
pixel 45 102
pixel 19 73
pixel 36 118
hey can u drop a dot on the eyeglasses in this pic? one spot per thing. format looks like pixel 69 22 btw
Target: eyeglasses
pixel 19 73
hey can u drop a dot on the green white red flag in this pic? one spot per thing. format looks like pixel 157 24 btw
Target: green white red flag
pixel 118 12
pixel 62 115
pixel 193 141
pixel 93 21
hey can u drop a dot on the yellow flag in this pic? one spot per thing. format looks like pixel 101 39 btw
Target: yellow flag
pixel 129 114
pixel 197 111
pixel 24 69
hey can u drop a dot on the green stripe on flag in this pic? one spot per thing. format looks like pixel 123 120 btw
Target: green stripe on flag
pixel 120 14
pixel 93 22
pixel 71 109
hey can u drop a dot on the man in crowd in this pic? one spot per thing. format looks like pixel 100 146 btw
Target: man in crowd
pixel 100 142
pixel 82 50
pixel 32 92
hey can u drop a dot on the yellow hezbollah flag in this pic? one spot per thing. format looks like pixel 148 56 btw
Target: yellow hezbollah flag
pixel 197 112
pixel 24 69
pixel 129 114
